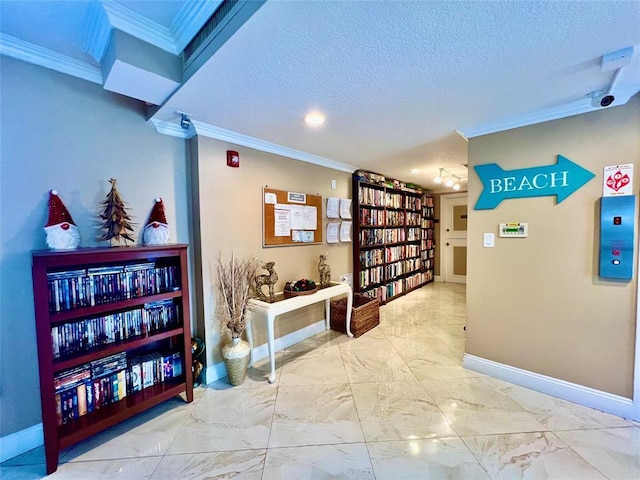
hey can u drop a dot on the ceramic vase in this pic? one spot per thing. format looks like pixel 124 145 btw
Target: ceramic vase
pixel 236 359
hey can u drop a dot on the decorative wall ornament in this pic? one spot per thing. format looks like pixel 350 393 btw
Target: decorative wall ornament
pixel 561 180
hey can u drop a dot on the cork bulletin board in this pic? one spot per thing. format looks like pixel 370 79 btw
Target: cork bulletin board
pixel 290 218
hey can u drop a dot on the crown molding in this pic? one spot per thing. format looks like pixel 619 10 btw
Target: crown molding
pixel 190 20
pixel 103 16
pixel 547 114
pixel 125 19
pixel 217 133
pixel 97 31
pixel 222 134
pixel 172 129
pixel 27 52
pixel 108 14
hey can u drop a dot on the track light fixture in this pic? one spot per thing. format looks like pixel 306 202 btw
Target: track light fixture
pixel 452 180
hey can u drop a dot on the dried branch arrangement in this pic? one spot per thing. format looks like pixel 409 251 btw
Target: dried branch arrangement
pixel 233 280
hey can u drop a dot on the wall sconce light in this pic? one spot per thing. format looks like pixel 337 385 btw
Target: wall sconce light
pixel 452 180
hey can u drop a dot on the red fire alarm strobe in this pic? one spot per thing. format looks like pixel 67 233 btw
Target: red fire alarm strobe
pixel 233 158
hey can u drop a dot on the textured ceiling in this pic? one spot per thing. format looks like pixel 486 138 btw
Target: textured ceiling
pixel 396 79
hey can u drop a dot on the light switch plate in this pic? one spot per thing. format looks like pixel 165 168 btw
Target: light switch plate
pixel 488 240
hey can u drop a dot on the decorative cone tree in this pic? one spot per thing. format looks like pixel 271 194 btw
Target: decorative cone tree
pixel 117 222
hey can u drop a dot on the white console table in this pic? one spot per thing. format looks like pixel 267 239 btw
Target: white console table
pixel 272 310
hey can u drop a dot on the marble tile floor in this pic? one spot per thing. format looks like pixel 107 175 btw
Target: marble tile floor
pixel 392 404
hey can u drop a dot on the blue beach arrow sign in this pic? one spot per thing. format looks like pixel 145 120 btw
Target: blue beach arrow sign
pixel 561 180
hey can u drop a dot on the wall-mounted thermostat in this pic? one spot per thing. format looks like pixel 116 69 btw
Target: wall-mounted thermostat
pixel 514 230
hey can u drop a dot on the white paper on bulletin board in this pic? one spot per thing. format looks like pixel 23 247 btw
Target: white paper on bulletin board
pixel 333 230
pixel 310 217
pixel 617 180
pixel 282 219
pixel 345 232
pixel 297 217
pixel 345 208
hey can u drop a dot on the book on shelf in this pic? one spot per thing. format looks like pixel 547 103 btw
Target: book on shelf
pixel 71 378
pixel 89 387
pixel 81 336
pixel 81 288
pixel 110 364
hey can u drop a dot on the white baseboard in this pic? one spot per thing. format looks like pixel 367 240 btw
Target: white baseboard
pixel 218 371
pixel 21 442
pixel 589 397
pixel 437 278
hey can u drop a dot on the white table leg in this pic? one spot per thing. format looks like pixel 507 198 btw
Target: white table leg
pixel 327 313
pixel 349 307
pixel 250 340
pixel 271 344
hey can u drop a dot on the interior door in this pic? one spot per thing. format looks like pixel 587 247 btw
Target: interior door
pixel 454 237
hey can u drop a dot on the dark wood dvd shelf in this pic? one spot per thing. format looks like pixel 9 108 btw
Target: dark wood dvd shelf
pixel 114 337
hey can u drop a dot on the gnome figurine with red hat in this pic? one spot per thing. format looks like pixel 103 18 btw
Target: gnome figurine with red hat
pixel 62 232
pixel 156 232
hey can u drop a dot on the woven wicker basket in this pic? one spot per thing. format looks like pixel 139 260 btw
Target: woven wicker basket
pixel 365 314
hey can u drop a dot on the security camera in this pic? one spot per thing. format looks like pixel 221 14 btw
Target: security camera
pixel 602 100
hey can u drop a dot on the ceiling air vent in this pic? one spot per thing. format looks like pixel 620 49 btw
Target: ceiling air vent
pixel 225 21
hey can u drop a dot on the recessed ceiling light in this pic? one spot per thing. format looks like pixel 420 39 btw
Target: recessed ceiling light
pixel 314 119
pixel 414 170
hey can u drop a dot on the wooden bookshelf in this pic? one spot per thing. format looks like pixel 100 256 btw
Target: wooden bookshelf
pixel 428 245
pixel 390 237
pixel 94 303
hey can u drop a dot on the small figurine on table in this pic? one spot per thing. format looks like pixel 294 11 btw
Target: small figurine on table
pixel 325 271
pixel 269 280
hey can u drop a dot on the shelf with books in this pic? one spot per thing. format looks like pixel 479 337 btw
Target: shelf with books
pixel 113 334
pixel 427 243
pixel 105 350
pixel 390 224
pixel 88 425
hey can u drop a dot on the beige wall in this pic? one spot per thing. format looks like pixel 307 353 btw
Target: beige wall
pixel 537 303
pixel 229 217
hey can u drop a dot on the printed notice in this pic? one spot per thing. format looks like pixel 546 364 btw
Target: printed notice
pixel 282 220
pixel 332 232
pixel 296 197
pixel 345 208
pixel 333 204
pixel 310 219
pixel 617 180
pixel 270 198
pixel 345 232
pixel 297 217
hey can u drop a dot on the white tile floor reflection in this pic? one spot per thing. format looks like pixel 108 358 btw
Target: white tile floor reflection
pixel 392 404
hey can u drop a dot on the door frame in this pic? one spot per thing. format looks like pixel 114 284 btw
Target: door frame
pixel 445 221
